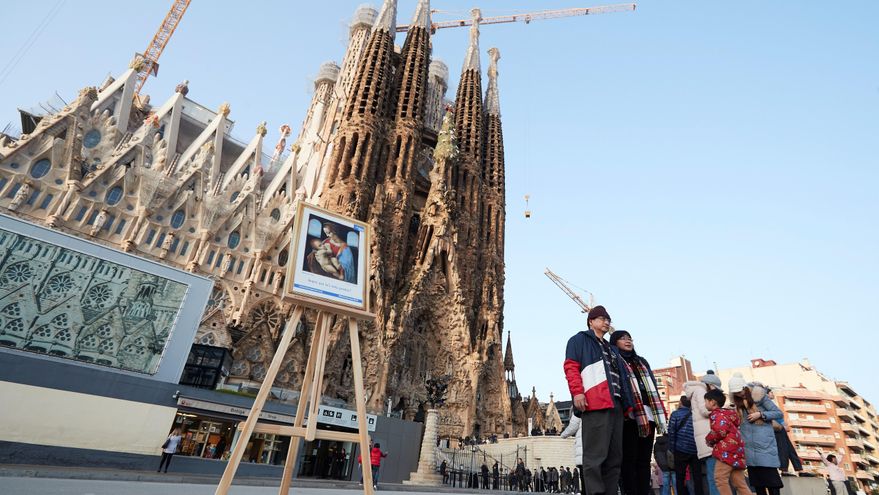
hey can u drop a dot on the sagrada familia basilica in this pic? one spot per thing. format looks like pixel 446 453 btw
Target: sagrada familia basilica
pixel 380 142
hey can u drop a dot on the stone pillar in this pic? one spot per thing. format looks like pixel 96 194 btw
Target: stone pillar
pixel 426 473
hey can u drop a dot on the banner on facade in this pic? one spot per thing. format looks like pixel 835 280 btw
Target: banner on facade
pixel 330 255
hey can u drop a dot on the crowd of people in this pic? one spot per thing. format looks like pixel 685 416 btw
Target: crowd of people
pixel 715 441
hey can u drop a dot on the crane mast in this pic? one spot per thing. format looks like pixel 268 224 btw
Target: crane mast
pixel 532 16
pixel 570 292
pixel 150 57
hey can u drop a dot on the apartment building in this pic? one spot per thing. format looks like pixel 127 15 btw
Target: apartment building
pixel 670 381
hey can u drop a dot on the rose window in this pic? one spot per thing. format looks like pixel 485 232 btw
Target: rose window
pixel 19 274
pixel 60 284
pixel 105 331
pixel 266 315
pixel 207 339
pixel 98 296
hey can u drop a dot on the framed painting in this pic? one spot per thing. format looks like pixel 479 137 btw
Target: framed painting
pixel 330 258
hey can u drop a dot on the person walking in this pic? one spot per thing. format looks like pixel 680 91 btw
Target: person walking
pixel 375 460
pixel 169 448
pixel 646 419
pixel 484 472
pixel 656 479
pixel 757 412
pixel 727 446
pixel 574 429
pixel 601 391
pixel 695 392
pixel 495 476
pixel 683 446
pixel 665 462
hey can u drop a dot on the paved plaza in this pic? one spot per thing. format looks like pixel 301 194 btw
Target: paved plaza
pixel 53 486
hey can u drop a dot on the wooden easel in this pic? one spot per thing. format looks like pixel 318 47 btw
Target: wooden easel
pixel 309 397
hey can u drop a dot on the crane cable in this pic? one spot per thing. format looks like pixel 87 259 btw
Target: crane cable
pixel 29 42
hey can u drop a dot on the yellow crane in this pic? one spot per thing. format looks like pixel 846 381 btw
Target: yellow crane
pixel 150 56
pixel 560 282
pixel 531 16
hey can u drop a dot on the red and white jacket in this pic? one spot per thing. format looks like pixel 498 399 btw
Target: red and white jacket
pixel 587 372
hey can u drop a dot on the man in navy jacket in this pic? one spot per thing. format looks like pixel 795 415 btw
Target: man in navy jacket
pixel 599 384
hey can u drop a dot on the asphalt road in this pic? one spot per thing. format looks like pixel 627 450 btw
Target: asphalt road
pixel 52 486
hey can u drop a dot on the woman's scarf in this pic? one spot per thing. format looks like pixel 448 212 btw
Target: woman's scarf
pixel 640 373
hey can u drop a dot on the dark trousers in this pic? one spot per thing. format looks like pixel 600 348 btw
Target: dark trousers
pixel 603 452
pixel 637 453
pixel 682 461
pixel 166 461
pixel 786 453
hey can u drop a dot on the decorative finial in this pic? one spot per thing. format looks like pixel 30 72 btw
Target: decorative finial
pixel 492 101
pixel 89 92
pixel 182 88
pixel 136 63
pixel 295 148
pixel 261 129
pixel 387 18
pixel 471 62
pixel 152 119
pixel 282 142
pixel 422 15
pixel 447 144
pixel 225 109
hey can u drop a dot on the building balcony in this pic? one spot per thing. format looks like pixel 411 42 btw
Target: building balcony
pixel 804 407
pixel 845 414
pixel 849 428
pixel 863 475
pixel 857 459
pixel 872 459
pixel 826 440
pixel 854 443
pixel 868 445
pixel 809 423
pixel 808 455
pixel 860 417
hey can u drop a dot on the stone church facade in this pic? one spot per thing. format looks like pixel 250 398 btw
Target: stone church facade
pixel 379 142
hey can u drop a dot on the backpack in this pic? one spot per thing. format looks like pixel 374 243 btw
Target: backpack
pixel 670 453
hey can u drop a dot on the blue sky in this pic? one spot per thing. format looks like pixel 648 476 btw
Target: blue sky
pixel 707 169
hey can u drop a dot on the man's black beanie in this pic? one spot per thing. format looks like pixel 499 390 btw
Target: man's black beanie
pixel 597 312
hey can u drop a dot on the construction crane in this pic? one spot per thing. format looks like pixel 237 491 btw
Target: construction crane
pixel 532 16
pixel 560 282
pixel 150 56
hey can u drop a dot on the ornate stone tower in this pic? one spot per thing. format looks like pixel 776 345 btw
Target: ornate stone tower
pixel 360 147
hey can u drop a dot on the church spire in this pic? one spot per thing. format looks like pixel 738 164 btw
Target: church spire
pixel 508 355
pixel 387 18
pixel 492 102
pixel 471 61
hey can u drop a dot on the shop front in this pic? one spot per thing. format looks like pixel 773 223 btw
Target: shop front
pixel 210 430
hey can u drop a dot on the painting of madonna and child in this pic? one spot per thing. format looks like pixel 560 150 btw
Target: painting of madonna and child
pixel 330 263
